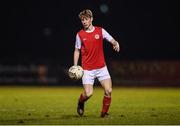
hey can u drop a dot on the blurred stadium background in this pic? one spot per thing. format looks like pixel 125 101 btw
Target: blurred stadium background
pixel 37 44
pixel 38 38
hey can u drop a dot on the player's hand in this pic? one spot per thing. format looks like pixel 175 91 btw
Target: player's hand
pixel 116 46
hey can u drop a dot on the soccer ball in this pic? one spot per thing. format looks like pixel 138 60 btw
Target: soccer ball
pixel 75 72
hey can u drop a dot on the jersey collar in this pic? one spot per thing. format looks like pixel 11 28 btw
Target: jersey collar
pixel 90 30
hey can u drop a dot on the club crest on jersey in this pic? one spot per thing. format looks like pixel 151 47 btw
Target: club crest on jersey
pixel 96 36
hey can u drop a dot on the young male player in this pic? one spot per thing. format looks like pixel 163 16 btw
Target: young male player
pixel 89 43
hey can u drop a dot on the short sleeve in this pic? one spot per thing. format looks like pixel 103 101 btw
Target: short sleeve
pixel 106 35
pixel 78 42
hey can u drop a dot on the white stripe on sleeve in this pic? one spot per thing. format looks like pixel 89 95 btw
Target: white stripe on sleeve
pixel 106 35
pixel 78 42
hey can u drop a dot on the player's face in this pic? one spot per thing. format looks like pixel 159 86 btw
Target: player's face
pixel 86 22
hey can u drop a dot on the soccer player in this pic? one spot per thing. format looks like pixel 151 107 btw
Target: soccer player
pixel 89 43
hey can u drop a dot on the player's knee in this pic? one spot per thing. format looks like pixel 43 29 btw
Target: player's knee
pixel 108 92
pixel 89 94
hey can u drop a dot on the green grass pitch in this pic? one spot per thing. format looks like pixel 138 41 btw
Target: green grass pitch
pixel 57 105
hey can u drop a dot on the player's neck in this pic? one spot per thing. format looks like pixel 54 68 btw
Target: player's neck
pixel 90 28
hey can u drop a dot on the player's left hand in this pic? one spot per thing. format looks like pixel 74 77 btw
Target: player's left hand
pixel 116 46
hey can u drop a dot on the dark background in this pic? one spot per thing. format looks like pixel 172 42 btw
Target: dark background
pixel 43 31
pixel 46 29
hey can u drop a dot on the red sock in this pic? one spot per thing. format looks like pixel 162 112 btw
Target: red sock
pixel 83 98
pixel 106 104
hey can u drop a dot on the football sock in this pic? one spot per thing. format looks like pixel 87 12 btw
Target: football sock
pixel 83 98
pixel 106 104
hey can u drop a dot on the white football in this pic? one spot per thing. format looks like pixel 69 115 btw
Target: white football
pixel 76 72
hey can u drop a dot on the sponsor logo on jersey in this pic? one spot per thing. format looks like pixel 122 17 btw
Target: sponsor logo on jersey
pixel 84 39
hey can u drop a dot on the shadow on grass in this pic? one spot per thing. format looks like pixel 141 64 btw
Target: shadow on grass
pixel 72 116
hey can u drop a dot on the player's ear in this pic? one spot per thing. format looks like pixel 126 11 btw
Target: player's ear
pixel 91 18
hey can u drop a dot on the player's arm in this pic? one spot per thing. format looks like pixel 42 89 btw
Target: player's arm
pixel 115 45
pixel 109 38
pixel 77 49
pixel 76 56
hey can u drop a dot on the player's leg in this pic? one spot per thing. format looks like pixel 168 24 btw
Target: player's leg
pixel 88 91
pixel 107 86
pixel 105 80
pixel 88 81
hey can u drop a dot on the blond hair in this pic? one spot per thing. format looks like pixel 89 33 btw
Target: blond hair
pixel 85 13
